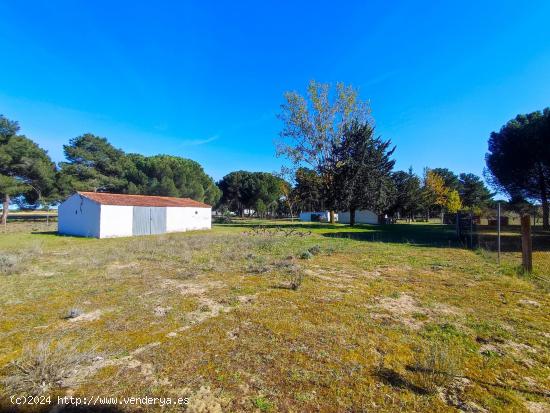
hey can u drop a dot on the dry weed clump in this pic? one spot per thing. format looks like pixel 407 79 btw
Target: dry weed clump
pixel 205 401
pixel 9 264
pixel 14 263
pixel 43 367
pixel 292 271
pixel 435 367
pixel 296 278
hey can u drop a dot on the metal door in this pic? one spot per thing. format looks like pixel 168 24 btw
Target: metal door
pixel 158 220
pixel 141 223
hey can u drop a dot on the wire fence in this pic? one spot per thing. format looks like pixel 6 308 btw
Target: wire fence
pixel 489 232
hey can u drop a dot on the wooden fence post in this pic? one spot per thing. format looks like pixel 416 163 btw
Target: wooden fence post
pixel 526 244
pixel 498 234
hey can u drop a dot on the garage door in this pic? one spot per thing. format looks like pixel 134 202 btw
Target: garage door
pixel 149 220
pixel 158 220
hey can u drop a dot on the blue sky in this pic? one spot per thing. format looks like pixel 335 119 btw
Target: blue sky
pixel 205 80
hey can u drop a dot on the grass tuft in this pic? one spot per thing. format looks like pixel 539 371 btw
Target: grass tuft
pixel 435 366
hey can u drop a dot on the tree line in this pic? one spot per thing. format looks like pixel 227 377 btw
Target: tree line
pixel 338 162
pixel 29 178
pixel 334 160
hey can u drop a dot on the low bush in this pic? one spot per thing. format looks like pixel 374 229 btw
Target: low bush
pixel 315 249
pixel 43 367
pixel 435 367
pixel 257 265
pixel 296 279
pixel 9 264
pixel 306 255
pixel 224 219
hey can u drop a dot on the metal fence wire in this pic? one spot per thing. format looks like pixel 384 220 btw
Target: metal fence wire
pixel 486 231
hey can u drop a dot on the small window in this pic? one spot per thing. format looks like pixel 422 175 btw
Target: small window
pixel 196 212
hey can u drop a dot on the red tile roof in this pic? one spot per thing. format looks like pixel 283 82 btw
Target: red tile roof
pixel 105 198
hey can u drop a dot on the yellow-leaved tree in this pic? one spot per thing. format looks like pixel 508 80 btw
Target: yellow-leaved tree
pixel 454 204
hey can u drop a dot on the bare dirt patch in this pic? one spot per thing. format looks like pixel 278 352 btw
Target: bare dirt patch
pixel 406 310
pixel 537 407
pixel 92 316
pixel 529 303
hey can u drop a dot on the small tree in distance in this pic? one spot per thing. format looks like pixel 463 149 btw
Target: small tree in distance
pixel 435 192
pixel 407 193
pixel 454 204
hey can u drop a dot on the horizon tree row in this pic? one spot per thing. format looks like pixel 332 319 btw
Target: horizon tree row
pixel 339 163
pixel 29 178
pixel 335 162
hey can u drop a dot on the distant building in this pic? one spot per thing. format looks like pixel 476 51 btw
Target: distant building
pixel 104 215
pixel 322 216
pixel 362 216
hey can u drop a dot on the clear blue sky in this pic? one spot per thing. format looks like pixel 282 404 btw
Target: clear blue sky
pixel 204 80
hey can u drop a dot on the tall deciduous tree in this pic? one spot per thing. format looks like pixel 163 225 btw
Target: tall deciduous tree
pixel 25 168
pixel 434 190
pixel 454 204
pixel 314 125
pixel 363 167
pixel 519 159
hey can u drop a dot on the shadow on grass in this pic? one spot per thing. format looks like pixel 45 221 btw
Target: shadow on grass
pixel 285 224
pixel 394 379
pixel 32 218
pixel 422 235
pixel 47 233
pixel 431 235
pixel 512 242
pixel 484 383
pixel 282 287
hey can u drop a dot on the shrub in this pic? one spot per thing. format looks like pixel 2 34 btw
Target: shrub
pixel 257 264
pixel 314 250
pixel 9 264
pixel 224 219
pixel 295 278
pixel 43 367
pixel 306 255
pixel 435 367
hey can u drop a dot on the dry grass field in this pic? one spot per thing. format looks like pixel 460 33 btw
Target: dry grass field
pixel 299 319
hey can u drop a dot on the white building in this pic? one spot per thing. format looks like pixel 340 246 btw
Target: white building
pixel 362 216
pixel 103 215
pixel 320 216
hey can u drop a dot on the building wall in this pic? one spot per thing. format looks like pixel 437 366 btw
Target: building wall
pixel 325 216
pixel 363 216
pixel 185 219
pixel 79 216
pixel 116 221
